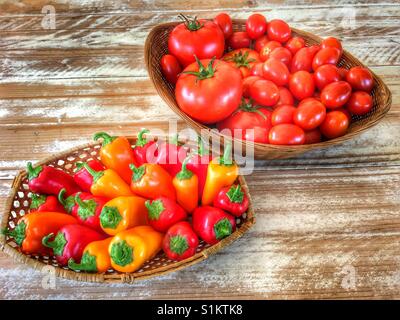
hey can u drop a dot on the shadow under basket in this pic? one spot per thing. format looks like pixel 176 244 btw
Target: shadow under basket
pixel 19 202
pixel 157 45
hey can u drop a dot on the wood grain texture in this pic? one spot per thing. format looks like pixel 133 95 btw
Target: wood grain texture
pixel 318 215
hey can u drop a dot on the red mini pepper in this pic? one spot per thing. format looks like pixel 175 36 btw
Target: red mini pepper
pixel 141 148
pixel 83 178
pixel 69 202
pixel 233 200
pixel 163 212
pixel 70 241
pixel 49 180
pixel 212 224
pixel 42 203
pixel 180 241
pixel 171 155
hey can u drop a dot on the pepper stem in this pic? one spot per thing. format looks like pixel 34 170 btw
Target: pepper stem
pixel 88 263
pixel 33 172
pixel 191 23
pixel 235 194
pixel 95 174
pixel 57 244
pixel 222 228
pixel 121 253
pixel 61 197
pixel 184 174
pixel 138 172
pixel 140 142
pixel 227 156
pixel 37 200
pixel 105 136
pixel 178 244
pixel 18 233
pixel 201 150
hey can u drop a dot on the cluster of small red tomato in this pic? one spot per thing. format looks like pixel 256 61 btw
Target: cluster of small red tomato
pixel 287 92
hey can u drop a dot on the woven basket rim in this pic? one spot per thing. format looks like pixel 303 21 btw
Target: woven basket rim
pixel 115 277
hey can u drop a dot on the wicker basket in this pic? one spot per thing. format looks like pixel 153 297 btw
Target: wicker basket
pixel 157 45
pixel 19 201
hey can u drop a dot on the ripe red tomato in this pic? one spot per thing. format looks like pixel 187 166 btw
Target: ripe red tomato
pixel 333 43
pixel 360 103
pixel 346 112
pixel 256 25
pixel 336 94
pixel 303 59
pixel 283 114
pixel 301 85
pixel 224 21
pixel 239 40
pixel 285 97
pixel 313 136
pixel 257 69
pixel 213 94
pixel 202 38
pixel 170 68
pixel 264 93
pixel 276 71
pixel 328 55
pixel 256 134
pixel 343 73
pixel 360 79
pixel 282 54
pixel 334 125
pixel 242 59
pixel 309 115
pixel 325 75
pixel 286 134
pixel 247 82
pixel 295 44
pixel 278 30
pixel 267 49
pixel 260 43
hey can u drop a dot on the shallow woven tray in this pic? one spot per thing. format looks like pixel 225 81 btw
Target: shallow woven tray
pixel 157 45
pixel 19 201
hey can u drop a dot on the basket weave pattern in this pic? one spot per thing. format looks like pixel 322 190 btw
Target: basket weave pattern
pixel 157 45
pixel 18 205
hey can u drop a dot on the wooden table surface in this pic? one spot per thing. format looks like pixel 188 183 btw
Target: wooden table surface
pixel 328 222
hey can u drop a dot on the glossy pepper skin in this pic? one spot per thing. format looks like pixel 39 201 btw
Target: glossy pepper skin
pixel 108 183
pixel 198 164
pixel 123 213
pixel 43 203
pixel 49 180
pixel 70 241
pixel 180 242
pixel 171 155
pixel 221 172
pixel 31 229
pixel 131 248
pixel 116 153
pixel 186 185
pixel 83 178
pixel 212 224
pixel 163 212
pixel 95 257
pixel 151 181
pixel 233 200
pixel 142 146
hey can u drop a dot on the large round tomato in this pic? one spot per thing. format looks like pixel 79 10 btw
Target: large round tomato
pixel 334 125
pixel 309 115
pixel 295 44
pixel 256 25
pixel 247 82
pixel 264 93
pixel 276 71
pixel 170 67
pixel 360 103
pixel 260 43
pixel 238 40
pixel 278 30
pixel 200 38
pixel 336 94
pixel 360 79
pixel 267 49
pixel 328 55
pixel 242 59
pixel 301 85
pixel 303 59
pixel 285 97
pixel 212 94
pixel 325 75
pixel 283 114
pixel 286 134
pixel 282 54
pixel 224 21
pixel 332 42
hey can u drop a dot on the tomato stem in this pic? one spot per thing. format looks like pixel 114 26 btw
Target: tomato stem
pixel 203 73
pixel 191 23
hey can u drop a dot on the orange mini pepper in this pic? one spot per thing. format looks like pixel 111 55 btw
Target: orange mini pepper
pixel 131 248
pixel 151 181
pixel 186 185
pixel 123 213
pixel 221 172
pixel 107 183
pixel 95 257
pixel 116 153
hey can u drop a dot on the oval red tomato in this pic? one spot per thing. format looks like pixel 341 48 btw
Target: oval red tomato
pixel 211 96
pixel 328 55
pixel 334 125
pixel 247 82
pixel 336 94
pixel 303 59
pixel 313 136
pixel 260 43
pixel 283 114
pixel 360 103
pixel 224 21
pixel 333 43
pixel 242 59
pixel 238 40
pixel 286 134
pixel 170 67
pixel 264 93
pixel 278 30
pixel 360 79
pixel 202 38
pixel 282 54
pixel 256 25
pixel 285 97
pixel 325 75
pixel 301 85
pixel 309 115
pixel 295 44
pixel 267 49
pixel 276 71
